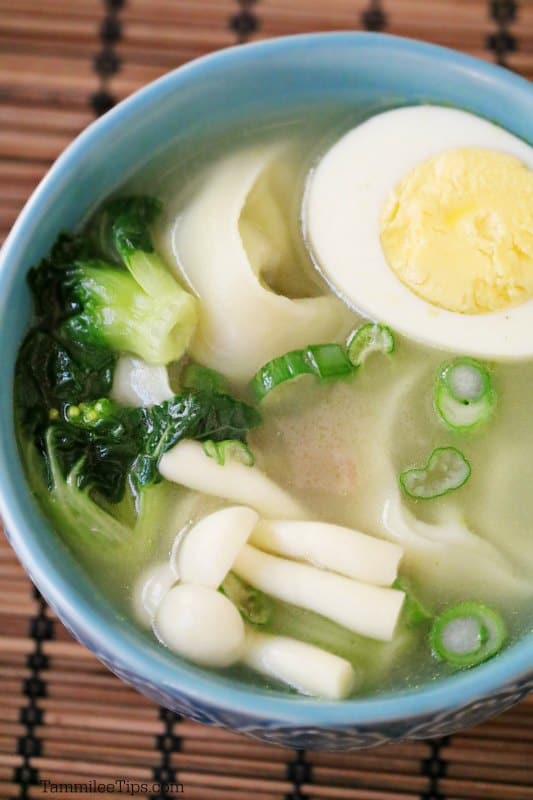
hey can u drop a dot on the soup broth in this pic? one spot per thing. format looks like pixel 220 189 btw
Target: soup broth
pixel 336 446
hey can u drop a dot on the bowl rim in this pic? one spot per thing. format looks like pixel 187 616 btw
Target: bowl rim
pixel 455 692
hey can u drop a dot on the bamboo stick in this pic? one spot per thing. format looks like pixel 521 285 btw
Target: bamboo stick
pixel 371 779
pixel 481 790
pixel 12 569
pixel 43 792
pixel 7 787
pixel 190 779
pixel 70 28
pixel 9 713
pixel 491 731
pixel 229 794
pixel 15 645
pixel 384 761
pixel 210 741
pixel 7 218
pixel 101 753
pixel 12 729
pixel 244 748
pixel 89 8
pixel 101 722
pixel 32 145
pixel 82 735
pixel 413 7
pixel 87 769
pixel 12 673
pixel 313 792
pixel 68 649
pixel 496 773
pixel 399 751
pixel 22 117
pixel 16 600
pixel 6 744
pixel 144 711
pixel 220 766
pixel 162 35
pixel 24 44
pixel 43 79
pixel 214 10
pixel 217 12
pixel 119 695
pixel 474 740
pixel 72 680
pixel 12 701
pixel 23 174
pixel 187 728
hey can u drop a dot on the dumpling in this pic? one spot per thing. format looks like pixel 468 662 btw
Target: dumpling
pixel 228 253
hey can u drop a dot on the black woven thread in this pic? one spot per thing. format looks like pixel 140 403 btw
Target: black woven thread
pixel 166 743
pixel 298 773
pixel 40 629
pixel 107 62
pixel 373 18
pixel 502 42
pixel 245 21
pixel 434 768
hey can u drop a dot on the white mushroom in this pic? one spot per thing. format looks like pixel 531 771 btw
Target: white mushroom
pixel 333 547
pixel 149 589
pixel 307 668
pixel 187 464
pixel 206 552
pixel 200 624
pixel 368 610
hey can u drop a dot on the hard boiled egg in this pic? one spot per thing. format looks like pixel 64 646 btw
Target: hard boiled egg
pixel 422 217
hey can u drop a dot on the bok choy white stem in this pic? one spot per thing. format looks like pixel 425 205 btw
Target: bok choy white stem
pixel 136 383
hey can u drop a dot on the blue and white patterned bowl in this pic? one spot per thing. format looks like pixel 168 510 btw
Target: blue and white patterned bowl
pixel 235 85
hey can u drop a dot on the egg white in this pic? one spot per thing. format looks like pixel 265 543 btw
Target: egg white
pixel 343 205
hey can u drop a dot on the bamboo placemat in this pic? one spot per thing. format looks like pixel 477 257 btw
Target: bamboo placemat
pixel 63 717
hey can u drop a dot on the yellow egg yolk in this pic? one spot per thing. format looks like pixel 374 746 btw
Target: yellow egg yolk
pixel 458 230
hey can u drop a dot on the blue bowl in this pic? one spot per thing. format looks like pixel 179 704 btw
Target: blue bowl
pixel 230 87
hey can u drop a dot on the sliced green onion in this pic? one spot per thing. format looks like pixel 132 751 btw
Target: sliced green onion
pixel 328 360
pixel 204 379
pixel 464 396
pixel 467 634
pixel 281 369
pixel 255 606
pixel 229 449
pixel 414 612
pixel 210 449
pixel 372 337
pixel 446 470
pixel 323 360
